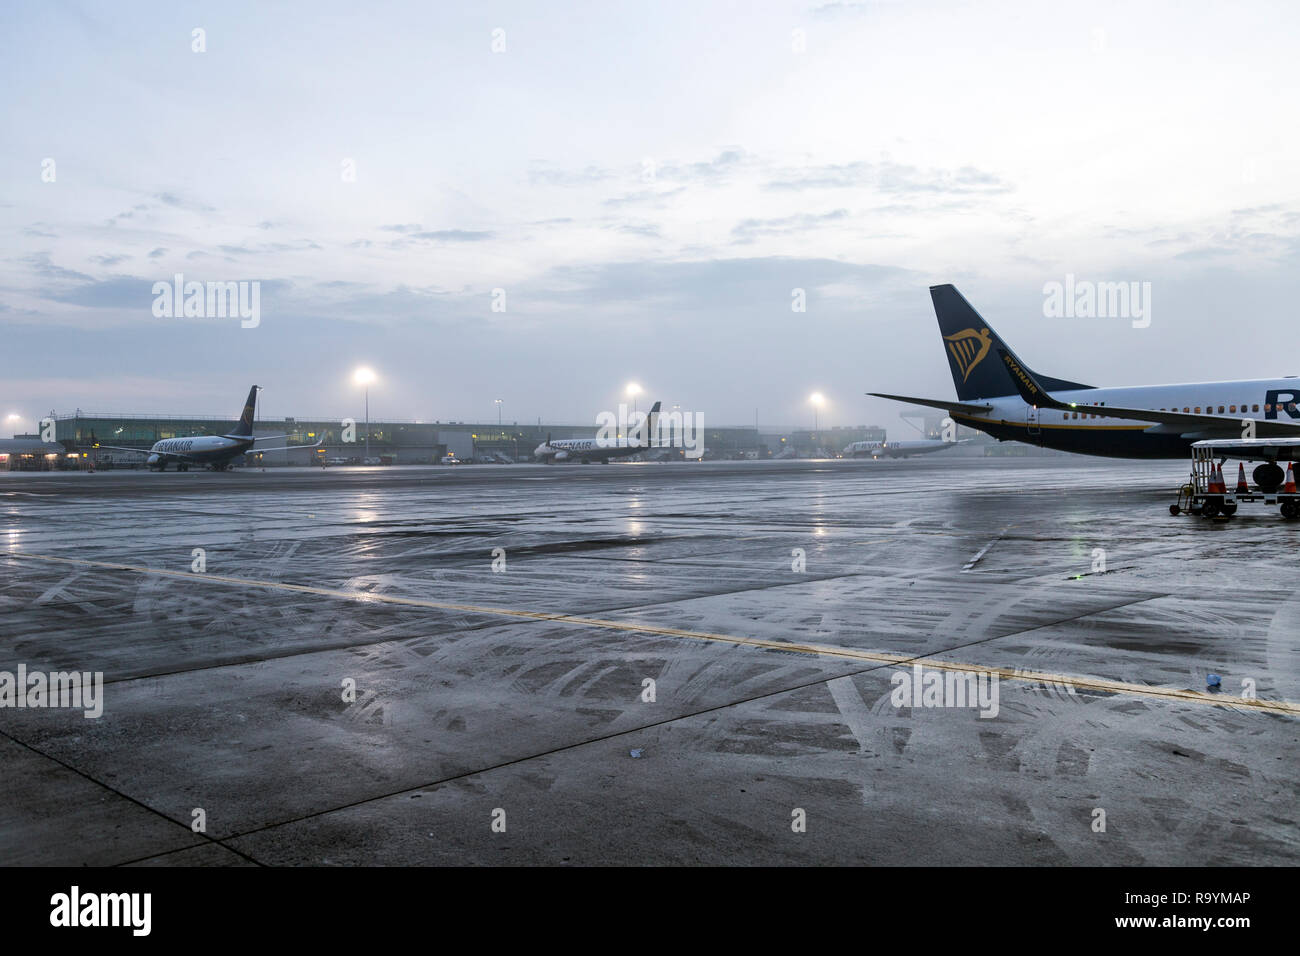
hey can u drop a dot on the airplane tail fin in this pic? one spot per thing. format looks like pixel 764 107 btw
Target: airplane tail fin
pixel 973 350
pixel 245 427
pixel 651 422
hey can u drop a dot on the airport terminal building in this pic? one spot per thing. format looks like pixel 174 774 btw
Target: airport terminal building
pixel 407 442
pixel 30 453
pixel 392 442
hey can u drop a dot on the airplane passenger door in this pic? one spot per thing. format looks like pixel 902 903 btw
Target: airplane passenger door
pixel 1031 421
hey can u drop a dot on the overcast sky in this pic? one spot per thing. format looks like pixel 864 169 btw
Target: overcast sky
pixel 647 182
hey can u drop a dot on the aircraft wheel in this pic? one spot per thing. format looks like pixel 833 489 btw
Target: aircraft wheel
pixel 1175 510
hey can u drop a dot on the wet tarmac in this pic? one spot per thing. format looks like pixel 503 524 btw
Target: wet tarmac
pixel 669 664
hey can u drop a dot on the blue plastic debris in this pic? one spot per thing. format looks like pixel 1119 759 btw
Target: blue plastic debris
pixel 1212 680
pixel 636 753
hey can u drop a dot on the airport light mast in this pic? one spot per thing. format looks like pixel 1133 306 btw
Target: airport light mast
pixel 818 400
pixel 633 389
pixel 363 377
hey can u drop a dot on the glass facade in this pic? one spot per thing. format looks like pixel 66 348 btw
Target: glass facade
pixel 404 442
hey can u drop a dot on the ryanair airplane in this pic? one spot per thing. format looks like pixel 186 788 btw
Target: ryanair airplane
pixel 997 393
pixel 215 451
pixel 587 450
pixel 898 449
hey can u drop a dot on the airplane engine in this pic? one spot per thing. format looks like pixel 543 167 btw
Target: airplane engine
pixel 561 456
pixel 153 460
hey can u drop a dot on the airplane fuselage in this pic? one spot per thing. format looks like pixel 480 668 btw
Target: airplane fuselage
pixel 584 449
pixel 1088 430
pixel 895 449
pixel 199 449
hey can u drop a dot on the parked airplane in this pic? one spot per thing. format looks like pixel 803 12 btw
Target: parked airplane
pixel 215 451
pixel 587 450
pixel 898 449
pixel 998 394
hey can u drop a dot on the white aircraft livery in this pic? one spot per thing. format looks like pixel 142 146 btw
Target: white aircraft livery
pixel 586 450
pixel 999 394
pixel 215 451
pixel 898 449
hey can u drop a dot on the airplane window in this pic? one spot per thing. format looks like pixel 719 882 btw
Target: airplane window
pixel 1220 409
pixel 1185 408
pixel 1254 408
pixel 1231 408
pixel 1268 408
pixel 1198 409
pixel 1290 406
pixel 1066 416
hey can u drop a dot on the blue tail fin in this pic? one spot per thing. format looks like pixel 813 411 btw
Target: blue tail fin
pixel 971 344
pixel 245 427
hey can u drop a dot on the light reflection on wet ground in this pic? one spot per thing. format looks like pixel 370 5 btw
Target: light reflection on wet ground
pixel 228 696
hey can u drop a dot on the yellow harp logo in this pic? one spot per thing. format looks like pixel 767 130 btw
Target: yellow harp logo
pixel 968 349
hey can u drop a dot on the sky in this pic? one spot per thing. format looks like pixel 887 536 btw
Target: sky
pixel 638 189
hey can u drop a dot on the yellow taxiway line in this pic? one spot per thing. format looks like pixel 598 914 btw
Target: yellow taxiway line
pixel 819 650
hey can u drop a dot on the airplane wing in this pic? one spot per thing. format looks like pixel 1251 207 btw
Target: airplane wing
pixel 1175 422
pixel 257 451
pixel 143 451
pixel 966 408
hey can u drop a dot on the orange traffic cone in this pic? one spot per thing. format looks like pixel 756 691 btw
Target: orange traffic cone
pixel 1242 487
pixel 1216 485
pixel 1288 488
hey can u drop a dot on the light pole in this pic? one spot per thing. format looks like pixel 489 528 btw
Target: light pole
pixel 817 400
pixel 633 389
pixel 363 377
pixel 497 402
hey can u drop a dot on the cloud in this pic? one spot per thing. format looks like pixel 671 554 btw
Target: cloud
pixel 725 163
pixel 452 235
pixel 645 230
pixel 265 248
pixel 748 229
pixel 891 178
pixel 656 197
pixel 733 286
pixel 545 174
pixel 45 269
pixel 414 230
